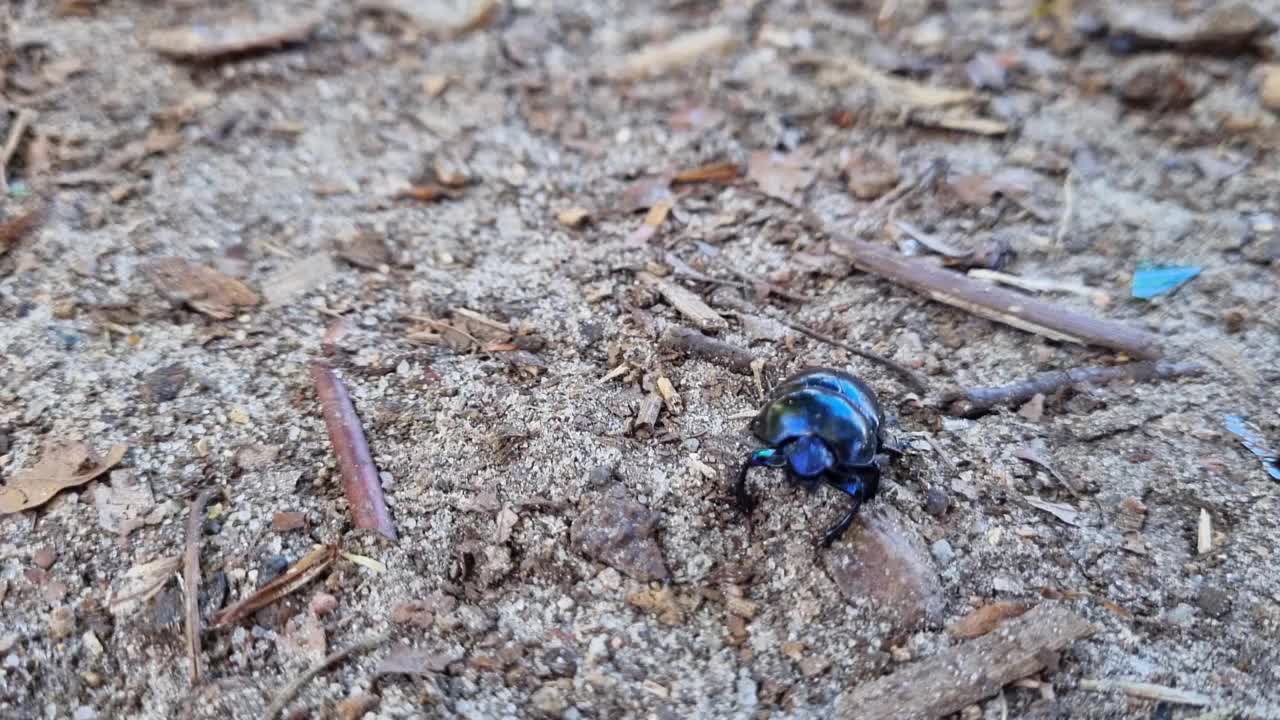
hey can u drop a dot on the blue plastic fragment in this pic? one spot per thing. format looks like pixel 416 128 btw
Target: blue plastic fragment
pixel 1152 280
pixel 1254 443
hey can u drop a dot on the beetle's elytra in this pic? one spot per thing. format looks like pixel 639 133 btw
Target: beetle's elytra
pixel 821 425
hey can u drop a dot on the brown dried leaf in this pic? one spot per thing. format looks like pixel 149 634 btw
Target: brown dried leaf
pixel 721 172
pixel 62 465
pixel 291 580
pixel 784 177
pixel 141 583
pixel 204 289
pixel 204 42
pixel 17 227
pixel 985 619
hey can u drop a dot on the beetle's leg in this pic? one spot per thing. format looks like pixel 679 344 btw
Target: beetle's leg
pixel 860 486
pixel 768 457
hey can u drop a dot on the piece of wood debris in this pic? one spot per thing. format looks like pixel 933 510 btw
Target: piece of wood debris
pixel 652 221
pixel 1096 296
pixel 17 227
pixel 142 582
pixel 202 288
pixel 574 217
pixel 360 481
pixel 896 90
pixel 670 397
pixel 210 42
pixel 985 619
pixel 25 118
pixel 932 242
pixel 965 674
pixel 294 578
pixel 1062 511
pixel 663 57
pixel 995 303
pixel 191 580
pixel 1035 453
pixel 62 465
pixel 1204 533
pixel 1147 691
pixel 686 303
pixel 717 172
pixel 973 402
pixel 287 693
pixel 440 18
pixel 299 278
pixel 647 414
pixel 688 341
pixel 962 122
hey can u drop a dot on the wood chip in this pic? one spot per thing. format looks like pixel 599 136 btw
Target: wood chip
pixel 1147 691
pixel 205 42
pixel 573 217
pixel 721 172
pixel 691 342
pixel 440 18
pixel 62 465
pixel 985 619
pixel 1062 511
pixel 1204 533
pixel 661 58
pixel 686 303
pixel 202 288
pixel 960 676
pixel 783 177
pixel 294 578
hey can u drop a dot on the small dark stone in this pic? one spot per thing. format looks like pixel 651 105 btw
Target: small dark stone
pixel 623 534
pixel 592 332
pixel 212 527
pixel 272 568
pixel 1215 602
pixel 600 476
pixel 166 383
pixel 936 502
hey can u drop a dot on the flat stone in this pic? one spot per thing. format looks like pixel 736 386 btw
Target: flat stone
pixel 880 564
pixel 621 533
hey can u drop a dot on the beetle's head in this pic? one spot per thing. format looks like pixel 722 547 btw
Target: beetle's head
pixel 808 457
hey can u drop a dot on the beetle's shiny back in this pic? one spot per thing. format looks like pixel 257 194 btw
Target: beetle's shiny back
pixel 834 406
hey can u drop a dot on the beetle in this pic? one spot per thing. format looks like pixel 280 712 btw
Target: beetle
pixel 821 425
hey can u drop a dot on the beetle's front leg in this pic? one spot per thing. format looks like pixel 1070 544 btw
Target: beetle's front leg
pixel 860 485
pixel 767 457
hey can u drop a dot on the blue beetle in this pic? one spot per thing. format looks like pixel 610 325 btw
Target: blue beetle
pixel 822 425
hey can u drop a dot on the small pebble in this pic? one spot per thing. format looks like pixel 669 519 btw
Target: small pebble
pixel 942 552
pixel 44 558
pixel 274 565
pixel 600 476
pixel 323 603
pixel 62 622
pixel 936 502
pixel 1215 602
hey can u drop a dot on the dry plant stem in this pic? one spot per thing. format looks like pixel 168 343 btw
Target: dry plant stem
pixel 994 303
pixel 364 644
pixel 962 675
pixel 20 124
pixel 360 479
pixel 191 578
pixel 911 377
pixel 691 342
pixel 972 402
pixel 1147 691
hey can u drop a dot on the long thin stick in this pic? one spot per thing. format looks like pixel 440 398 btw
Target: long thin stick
pixel 191 578
pixel 1147 691
pixel 364 644
pixel 972 402
pixel 23 121
pixel 995 303
pixel 912 377
pixel 360 479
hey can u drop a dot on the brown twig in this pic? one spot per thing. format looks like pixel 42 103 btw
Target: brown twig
pixel 360 479
pixel 995 303
pixel 947 682
pixel 911 377
pixel 364 644
pixel 972 402
pixel 23 121
pixel 296 577
pixel 191 578
pixel 691 342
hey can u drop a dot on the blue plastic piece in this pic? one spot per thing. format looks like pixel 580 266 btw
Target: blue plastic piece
pixel 1151 280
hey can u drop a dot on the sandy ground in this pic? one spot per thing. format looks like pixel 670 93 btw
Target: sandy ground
pixel 267 163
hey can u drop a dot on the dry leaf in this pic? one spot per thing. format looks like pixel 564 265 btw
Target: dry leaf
pixel 722 172
pixel 141 583
pixel 292 579
pixel 985 619
pixel 202 288
pixel 62 465
pixel 784 177
pixel 663 57
pixel 204 42
pixel 298 279
pixel 367 250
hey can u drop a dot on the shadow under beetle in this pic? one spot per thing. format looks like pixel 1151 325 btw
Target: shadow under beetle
pixel 822 425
